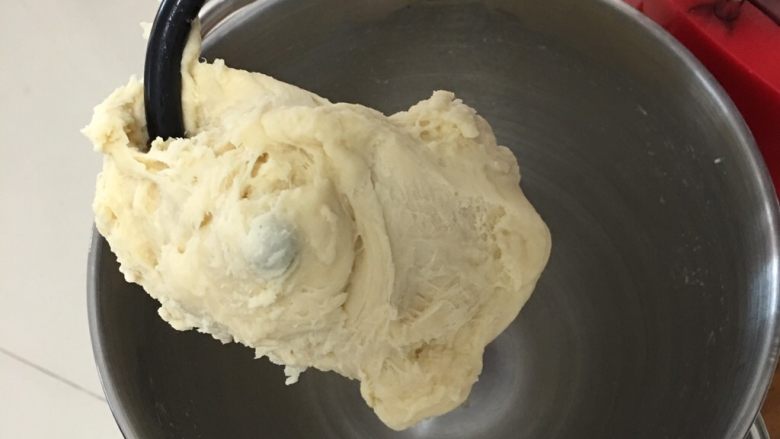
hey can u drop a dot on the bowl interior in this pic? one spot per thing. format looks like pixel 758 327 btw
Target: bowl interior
pixel 655 315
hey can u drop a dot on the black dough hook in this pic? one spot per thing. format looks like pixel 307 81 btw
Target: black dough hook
pixel 162 69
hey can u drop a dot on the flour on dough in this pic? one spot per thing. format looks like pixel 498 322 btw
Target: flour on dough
pixel 390 250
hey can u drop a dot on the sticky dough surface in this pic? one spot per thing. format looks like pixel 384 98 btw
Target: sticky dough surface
pixel 389 250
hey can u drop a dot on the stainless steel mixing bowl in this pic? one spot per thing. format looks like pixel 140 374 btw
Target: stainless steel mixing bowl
pixel 657 315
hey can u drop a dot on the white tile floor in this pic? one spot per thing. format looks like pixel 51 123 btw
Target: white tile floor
pixel 60 58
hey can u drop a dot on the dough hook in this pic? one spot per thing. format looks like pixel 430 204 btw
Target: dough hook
pixel 162 70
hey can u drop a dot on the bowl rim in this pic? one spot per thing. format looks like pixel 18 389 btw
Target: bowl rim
pixel 742 424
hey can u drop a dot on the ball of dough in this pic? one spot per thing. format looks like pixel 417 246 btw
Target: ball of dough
pixel 390 250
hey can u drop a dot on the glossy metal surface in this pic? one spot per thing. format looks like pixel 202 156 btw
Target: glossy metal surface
pixel 656 316
pixel 758 431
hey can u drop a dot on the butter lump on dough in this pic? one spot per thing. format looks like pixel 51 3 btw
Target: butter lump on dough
pixel 390 250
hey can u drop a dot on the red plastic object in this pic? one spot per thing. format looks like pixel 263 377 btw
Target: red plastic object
pixel 743 54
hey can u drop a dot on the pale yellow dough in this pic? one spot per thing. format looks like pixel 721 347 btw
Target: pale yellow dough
pixel 390 250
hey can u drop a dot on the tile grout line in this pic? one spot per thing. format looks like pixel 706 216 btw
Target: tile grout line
pixel 50 374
